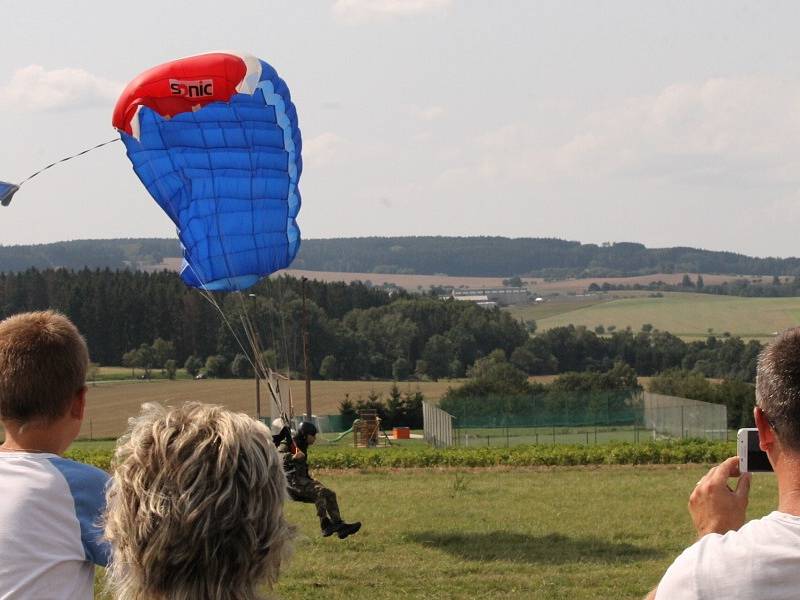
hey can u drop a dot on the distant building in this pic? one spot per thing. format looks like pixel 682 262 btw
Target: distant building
pixel 468 297
pixel 490 297
pixel 488 304
pixel 503 296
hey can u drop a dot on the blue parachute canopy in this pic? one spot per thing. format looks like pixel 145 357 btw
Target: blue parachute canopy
pixel 7 191
pixel 215 140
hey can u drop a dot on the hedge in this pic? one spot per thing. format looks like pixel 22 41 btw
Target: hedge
pixel 619 453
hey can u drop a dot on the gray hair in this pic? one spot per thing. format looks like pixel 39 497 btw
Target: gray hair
pixel 195 506
pixel 778 386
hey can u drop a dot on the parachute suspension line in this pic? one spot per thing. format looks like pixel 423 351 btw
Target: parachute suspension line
pixel 261 368
pixel 66 158
pixel 288 376
pixel 206 293
pixel 283 334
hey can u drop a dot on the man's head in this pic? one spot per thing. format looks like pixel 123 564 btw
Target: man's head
pixel 307 433
pixel 778 389
pixel 43 363
pixel 195 507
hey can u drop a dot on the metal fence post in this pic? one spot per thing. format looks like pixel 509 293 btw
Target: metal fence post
pixel 683 427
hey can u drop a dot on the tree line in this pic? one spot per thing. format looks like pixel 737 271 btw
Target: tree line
pixel 356 331
pixel 92 254
pixel 498 393
pixel 478 256
pixel 542 257
pixel 771 287
pixel 648 352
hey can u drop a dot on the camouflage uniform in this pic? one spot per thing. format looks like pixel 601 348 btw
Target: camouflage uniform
pixel 303 488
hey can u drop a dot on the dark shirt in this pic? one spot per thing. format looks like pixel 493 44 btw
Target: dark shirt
pixel 294 469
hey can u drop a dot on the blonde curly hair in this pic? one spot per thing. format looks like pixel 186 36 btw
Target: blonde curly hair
pixel 195 506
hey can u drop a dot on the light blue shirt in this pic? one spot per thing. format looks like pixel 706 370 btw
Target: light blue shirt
pixel 50 530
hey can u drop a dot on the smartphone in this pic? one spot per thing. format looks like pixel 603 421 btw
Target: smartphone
pixel 751 457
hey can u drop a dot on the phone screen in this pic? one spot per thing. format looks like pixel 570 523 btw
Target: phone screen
pixel 756 458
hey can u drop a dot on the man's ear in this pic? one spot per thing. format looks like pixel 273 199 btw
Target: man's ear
pixel 78 404
pixel 766 435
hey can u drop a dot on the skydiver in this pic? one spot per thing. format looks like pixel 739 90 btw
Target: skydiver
pixel 303 488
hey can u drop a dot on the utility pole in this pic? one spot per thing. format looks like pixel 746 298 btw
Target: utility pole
pixel 258 396
pixel 305 354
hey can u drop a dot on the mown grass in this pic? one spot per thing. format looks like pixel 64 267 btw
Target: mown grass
pixel 103 374
pixel 555 307
pixel 687 315
pixel 575 533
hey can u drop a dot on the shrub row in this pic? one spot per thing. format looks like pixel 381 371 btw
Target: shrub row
pixel 525 456
pixel 99 458
pixel 677 452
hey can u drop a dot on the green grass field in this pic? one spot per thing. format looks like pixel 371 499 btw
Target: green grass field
pixel 685 315
pixel 549 534
pixel 556 306
pixel 108 374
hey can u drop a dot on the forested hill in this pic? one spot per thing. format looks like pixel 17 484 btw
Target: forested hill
pixel 95 254
pixel 465 256
pixel 504 257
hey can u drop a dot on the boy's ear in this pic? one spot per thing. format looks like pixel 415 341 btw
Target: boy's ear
pixel 78 404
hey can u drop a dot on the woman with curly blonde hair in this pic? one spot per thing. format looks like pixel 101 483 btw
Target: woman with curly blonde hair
pixel 195 507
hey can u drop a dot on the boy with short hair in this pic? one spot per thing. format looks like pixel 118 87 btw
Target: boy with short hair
pixel 50 507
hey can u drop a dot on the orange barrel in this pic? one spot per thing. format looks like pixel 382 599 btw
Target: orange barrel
pixel 402 433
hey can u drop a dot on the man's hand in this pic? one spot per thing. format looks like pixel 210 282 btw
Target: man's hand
pixel 299 455
pixel 715 507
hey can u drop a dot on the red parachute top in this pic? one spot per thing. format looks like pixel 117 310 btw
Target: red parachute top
pixel 181 86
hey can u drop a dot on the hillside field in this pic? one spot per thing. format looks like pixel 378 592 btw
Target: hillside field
pixel 559 533
pixel 536 285
pixel 683 314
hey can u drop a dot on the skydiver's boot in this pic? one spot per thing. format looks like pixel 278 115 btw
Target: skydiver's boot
pixel 329 527
pixel 348 529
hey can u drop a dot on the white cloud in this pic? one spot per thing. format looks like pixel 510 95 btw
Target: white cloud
pixel 723 131
pixel 744 129
pixel 363 11
pixel 33 88
pixel 324 149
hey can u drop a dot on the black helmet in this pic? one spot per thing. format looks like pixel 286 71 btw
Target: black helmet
pixel 306 428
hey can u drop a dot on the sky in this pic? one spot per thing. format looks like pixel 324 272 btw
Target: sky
pixel 666 123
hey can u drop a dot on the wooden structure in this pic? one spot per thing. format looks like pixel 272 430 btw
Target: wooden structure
pixel 367 429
